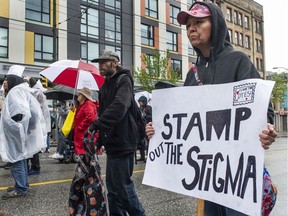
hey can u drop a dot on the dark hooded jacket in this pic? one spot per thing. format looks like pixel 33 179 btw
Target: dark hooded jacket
pixel 225 64
pixel 146 110
pixel 13 81
pixel 116 125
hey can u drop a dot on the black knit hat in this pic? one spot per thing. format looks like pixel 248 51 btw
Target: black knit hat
pixel 32 82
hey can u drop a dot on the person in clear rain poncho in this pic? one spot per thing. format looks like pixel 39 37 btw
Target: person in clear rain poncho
pixel 22 130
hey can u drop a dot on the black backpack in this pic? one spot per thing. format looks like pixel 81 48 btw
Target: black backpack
pixel 137 115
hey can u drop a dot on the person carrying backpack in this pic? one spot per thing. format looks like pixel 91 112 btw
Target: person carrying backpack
pixel 146 111
pixel 118 133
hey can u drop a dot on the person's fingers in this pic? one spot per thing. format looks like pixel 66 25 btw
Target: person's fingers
pixel 150 133
pixel 272 131
pixel 267 138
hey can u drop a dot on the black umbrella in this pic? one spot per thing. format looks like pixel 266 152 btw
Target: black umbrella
pixel 58 95
pixel 164 84
pixel 70 90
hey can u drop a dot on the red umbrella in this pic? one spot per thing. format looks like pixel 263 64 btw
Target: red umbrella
pixel 74 73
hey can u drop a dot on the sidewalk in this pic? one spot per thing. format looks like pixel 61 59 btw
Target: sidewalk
pixel 282 134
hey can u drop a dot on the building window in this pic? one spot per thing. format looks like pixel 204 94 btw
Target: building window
pixel 176 66
pixel 240 39
pixel 115 49
pixel 173 14
pixel 259 46
pixel 229 14
pixel 261 65
pixel 113 4
pixel 151 60
pixel 151 8
pixel 258 27
pixel 112 28
pixel 90 23
pixel 235 17
pixel 247 42
pixel 172 41
pixel 230 35
pixel 91 2
pixel 147 35
pixel 89 50
pixel 236 38
pixel 191 51
pixel 246 22
pixel 38 10
pixel 43 48
pixel 240 19
pixel 3 42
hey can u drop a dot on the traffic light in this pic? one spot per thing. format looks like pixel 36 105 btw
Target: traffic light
pixel 44 82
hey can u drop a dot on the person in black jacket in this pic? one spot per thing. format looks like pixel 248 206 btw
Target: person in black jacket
pixel 146 111
pixel 217 62
pixel 118 134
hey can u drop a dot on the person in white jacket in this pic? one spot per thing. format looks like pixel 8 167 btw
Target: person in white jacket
pixel 38 89
pixel 21 130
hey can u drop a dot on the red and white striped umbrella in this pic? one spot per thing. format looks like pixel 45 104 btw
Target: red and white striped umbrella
pixel 74 73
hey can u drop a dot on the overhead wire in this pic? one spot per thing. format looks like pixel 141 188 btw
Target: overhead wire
pixel 138 34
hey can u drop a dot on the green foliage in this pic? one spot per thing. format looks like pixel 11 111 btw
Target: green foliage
pixel 280 87
pixel 157 69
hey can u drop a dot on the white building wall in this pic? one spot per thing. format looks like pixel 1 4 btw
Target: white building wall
pixel 17 32
pixel 162 25
pixel 62 33
pixel 137 34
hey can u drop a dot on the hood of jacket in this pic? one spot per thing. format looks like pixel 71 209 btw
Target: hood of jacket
pixel 143 99
pixel 13 81
pixel 219 34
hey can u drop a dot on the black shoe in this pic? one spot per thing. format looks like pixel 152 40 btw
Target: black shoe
pixel 32 172
pixel 7 166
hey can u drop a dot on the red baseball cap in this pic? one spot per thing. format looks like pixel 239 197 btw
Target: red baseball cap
pixel 197 10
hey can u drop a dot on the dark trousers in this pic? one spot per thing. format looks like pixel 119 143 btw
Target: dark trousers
pixel 122 196
pixel 214 209
pixel 35 162
pixel 142 148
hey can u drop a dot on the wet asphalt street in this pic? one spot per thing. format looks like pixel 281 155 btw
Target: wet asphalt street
pixel 48 194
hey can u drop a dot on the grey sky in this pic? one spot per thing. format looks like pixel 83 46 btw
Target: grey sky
pixel 275 33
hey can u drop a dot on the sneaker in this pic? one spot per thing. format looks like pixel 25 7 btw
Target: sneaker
pixel 60 156
pixel 12 194
pixel 32 172
pixel 54 156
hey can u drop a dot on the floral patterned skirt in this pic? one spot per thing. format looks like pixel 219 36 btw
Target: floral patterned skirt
pixel 87 193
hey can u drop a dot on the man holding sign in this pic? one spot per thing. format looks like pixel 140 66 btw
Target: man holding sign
pixel 194 135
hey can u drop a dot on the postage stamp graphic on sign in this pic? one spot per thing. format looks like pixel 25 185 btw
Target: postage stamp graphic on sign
pixel 243 94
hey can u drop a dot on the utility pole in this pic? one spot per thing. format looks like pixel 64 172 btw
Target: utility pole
pixel 54 32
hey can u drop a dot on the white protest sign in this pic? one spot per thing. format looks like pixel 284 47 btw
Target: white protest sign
pixel 206 142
